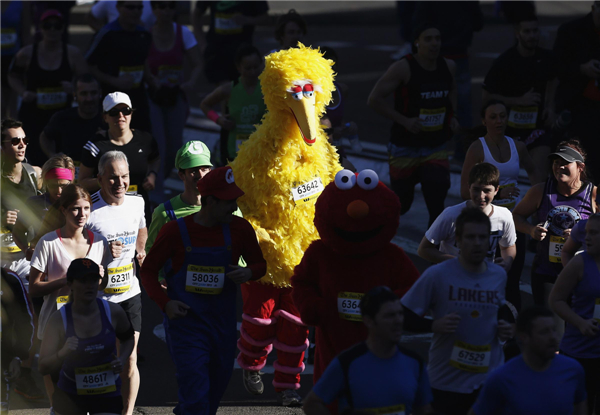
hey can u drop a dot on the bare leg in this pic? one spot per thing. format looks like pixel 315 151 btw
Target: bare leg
pixel 49 387
pixel 130 379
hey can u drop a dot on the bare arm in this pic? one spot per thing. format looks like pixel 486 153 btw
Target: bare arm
pixel 48 146
pixel 508 255
pixel 39 288
pixel 430 252
pixel 86 179
pixel 219 95
pixel 527 163
pixel 78 63
pixel 569 250
pixel 16 75
pixel 313 405
pixel 527 207
pixel 398 74
pixel 40 179
pixel 54 339
pixel 509 101
pixel 141 240
pixel 474 155
pixel 454 94
pixel 192 55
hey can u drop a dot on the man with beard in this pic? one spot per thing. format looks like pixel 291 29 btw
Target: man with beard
pixel 524 78
pixel 69 130
pixel 539 381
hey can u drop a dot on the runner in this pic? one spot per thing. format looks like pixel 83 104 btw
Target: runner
pixel 576 299
pixel 575 242
pixel 41 75
pixel 423 113
pixel 80 341
pixel 566 198
pixel 290 29
pixel 68 130
pixel 140 148
pixel 377 375
pixel 244 99
pixel 508 156
pixel 483 188
pixel 119 217
pixel 466 296
pixel 539 381
pixel 65 240
pixel 198 253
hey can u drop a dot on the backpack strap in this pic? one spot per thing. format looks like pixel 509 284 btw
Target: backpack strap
pixel 32 175
pixel 346 358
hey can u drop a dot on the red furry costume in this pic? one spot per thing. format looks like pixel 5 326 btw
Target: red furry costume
pixel 357 217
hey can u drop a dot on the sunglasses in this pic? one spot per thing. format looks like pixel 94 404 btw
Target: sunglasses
pixel 16 140
pixel 133 7
pixel 52 25
pixel 116 111
pixel 166 5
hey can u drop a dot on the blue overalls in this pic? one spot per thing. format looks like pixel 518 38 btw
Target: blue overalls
pixel 203 343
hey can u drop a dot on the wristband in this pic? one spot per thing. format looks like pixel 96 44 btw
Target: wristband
pixel 213 116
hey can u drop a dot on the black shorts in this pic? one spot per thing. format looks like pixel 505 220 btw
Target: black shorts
pixel 66 403
pixel 453 403
pixel 133 309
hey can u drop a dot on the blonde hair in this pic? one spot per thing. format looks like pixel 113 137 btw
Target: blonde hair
pixel 60 161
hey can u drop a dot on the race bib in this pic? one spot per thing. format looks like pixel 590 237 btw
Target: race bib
pixel 225 25
pixel 137 72
pixel 388 410
pixel 432 119
pixel 132 189
pixel 8 38
pixel 523 117
pixel 204 280
pixel 7 244
pixel 170 74
pixel 119 279
pixel 307 191
pixel 555 249
pixel 51 98
pixel 240 139
pixel 95 380
pixel 597 310
pixel 61 301
pixel 348 308
pixel 471 358
pixel 508 203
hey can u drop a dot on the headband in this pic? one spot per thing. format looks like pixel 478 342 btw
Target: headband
pixel 59 174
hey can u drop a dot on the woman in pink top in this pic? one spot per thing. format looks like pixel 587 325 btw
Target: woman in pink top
pixel 56 249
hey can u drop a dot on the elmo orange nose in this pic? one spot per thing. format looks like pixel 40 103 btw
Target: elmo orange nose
pixel 357 209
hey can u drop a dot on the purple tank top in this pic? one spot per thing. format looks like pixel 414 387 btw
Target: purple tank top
pixel 83 372
pixel 559 213
pixel 586 295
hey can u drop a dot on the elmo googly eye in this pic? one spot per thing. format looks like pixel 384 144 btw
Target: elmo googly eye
pixel 345 180
pixel 297 92
pixel 367 179
pixel 308 91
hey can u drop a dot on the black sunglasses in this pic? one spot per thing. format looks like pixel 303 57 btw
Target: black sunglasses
pixel 49 25
pixel 166 5
pixel 16 140
pixel 133 7
pixel 116 111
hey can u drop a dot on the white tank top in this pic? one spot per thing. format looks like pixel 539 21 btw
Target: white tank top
pixel 509 171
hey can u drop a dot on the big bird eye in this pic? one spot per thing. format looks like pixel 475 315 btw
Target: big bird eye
pixel 308 91
pixel 297 93
pixel 345 180
pixel 367 179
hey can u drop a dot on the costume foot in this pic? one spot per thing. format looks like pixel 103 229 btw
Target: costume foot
pixel 290 397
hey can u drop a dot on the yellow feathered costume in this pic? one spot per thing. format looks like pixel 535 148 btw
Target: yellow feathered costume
pixel 285 157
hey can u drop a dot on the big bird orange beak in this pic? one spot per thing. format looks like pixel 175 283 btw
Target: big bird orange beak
pixel 305 115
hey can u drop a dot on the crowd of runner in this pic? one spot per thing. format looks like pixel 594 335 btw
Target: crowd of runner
pixel 88 140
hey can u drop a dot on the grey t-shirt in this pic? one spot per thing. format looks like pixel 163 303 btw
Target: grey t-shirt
pixel 459 362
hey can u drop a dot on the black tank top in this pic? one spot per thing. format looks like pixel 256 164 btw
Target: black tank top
pixel 427 96
pixel 47 84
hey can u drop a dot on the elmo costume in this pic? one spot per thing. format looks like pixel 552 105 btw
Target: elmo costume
pixel 357 217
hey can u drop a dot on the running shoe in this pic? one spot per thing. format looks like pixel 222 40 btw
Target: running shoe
pixel 26 387
pixel 253 382
pixel 290 397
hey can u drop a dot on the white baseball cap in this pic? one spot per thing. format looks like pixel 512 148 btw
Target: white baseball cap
pixel 115 98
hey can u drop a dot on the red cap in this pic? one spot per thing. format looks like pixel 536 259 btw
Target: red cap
pixel 220 184
pixel 51 13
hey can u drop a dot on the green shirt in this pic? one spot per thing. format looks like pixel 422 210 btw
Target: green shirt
pixel 247 111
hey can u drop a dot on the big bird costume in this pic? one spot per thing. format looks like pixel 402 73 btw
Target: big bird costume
pixel 282 168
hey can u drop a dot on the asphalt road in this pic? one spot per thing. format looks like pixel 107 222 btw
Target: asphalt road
pixel 364 35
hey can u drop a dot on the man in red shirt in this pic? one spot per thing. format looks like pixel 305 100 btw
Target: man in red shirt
pixel 198 253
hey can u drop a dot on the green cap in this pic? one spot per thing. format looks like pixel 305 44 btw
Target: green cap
pixel 192 154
